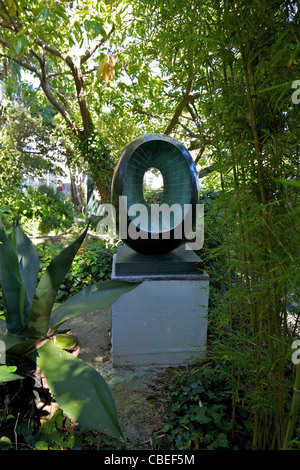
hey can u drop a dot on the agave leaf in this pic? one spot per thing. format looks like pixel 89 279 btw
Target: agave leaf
pixel 79 389
pixel 15 344
pixel 13 286
pixel 90 298
pixel 29 265
pixel 46 292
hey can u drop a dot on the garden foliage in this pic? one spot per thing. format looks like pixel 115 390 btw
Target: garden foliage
pixel 30 328
pixel 41 210
pixel 222 77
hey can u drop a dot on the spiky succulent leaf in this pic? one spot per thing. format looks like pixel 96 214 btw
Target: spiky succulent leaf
pixel 28 263
pixel 46 292
pixel 13 287
pixel 93 297
pixel 79 389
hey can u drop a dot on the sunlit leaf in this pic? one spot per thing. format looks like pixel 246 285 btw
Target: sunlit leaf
pixel 12 7
pixel 112 63
pixel 101 66
pixel 7 374
pixel 106 73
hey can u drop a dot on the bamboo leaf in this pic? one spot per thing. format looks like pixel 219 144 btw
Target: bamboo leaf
pixel 294 183
pixel 79 389
pixel 99 29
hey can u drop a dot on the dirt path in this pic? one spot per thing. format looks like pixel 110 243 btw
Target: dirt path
pixel 139 393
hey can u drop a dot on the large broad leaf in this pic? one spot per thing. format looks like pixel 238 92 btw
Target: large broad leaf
pixel 90 298
pixel 13 287
pixel 29 265
pixel 79 390
pixel 46 292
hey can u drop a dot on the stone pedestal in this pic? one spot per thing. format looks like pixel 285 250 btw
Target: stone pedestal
pixel 162 322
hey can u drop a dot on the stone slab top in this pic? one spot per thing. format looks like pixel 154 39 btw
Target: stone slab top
pixel 180 264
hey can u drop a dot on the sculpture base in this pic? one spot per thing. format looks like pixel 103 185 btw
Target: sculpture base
pixel 162 322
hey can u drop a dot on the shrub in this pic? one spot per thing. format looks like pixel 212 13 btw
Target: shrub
pixel 41 209
pixel 200 412
pixel 92 263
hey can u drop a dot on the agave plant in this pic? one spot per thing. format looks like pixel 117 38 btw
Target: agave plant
pixel 30 329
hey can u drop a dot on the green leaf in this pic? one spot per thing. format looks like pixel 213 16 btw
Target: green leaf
pixel 99 29
pixel 20 45
pixel 12 7
pixel 220 441
pixel 7 374
pixel 79 390
pixel 295 183
pixel 90 298
pixel 45 13
pixel 28 263
pixel 41 445
pixel 13 287
pixel 18 345
pixel 42 305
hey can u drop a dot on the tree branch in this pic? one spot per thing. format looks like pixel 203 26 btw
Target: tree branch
pixel 20 60
pixel 15 25
pixel 77 75
pixel 45 85
pixel 5 25
pixel 89 52
pixel 60 108
pixel 185 100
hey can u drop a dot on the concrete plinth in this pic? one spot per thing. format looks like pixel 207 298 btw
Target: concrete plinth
pixel 162 322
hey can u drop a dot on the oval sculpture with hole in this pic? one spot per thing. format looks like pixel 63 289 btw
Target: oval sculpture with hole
pixel 155 229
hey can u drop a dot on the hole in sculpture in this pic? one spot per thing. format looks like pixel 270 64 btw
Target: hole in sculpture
pixel 153 186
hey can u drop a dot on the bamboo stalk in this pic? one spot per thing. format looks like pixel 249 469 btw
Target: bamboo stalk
pixel 293 411
pixel 228 256
pixel 266 218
